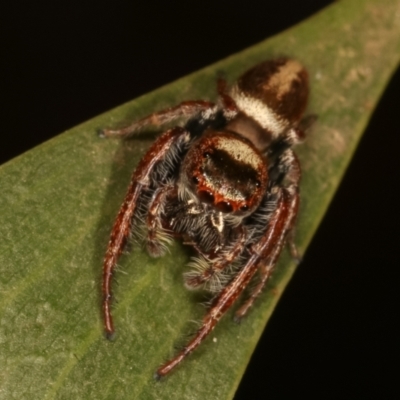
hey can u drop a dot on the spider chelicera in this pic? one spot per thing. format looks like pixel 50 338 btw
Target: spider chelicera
pixel 226 182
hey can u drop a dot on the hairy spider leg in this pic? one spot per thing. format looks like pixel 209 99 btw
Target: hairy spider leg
pixel 280 221
pixel 290 163
pixel 267 266
pixel 157 237
pixel 185 109
pixel 228 102
pixel 123 223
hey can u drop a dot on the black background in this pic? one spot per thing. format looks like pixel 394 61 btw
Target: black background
pixel 334 333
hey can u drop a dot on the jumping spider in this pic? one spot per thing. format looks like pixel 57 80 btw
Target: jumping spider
pixel 226 182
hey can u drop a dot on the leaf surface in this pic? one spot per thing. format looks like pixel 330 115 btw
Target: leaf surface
pixel 59 201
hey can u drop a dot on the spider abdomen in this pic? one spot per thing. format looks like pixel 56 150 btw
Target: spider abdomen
pixel 273 93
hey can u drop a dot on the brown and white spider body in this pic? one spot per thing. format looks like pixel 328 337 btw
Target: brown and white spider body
pixel 226 182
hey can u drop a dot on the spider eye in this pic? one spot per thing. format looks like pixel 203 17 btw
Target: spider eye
pixel 195 180
pixel 245 207
pixel 224 206
pixel 258 183
pixel 206 196
pixel 206 154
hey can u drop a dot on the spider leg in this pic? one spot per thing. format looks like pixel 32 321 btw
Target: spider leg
pixel 185 109
pixel 267 265
pixel 229 104
pixel 297 134
pixel 280 220
pixel 123 223
pixel 266 268
pixel 291 163
pixel 157 236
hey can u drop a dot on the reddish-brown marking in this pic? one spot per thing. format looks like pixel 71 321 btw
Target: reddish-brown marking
pixel 212 189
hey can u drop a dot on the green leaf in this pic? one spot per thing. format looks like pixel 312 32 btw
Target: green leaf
pixel 58 204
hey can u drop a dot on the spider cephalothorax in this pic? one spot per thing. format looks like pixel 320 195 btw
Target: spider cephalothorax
pixel 226 182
